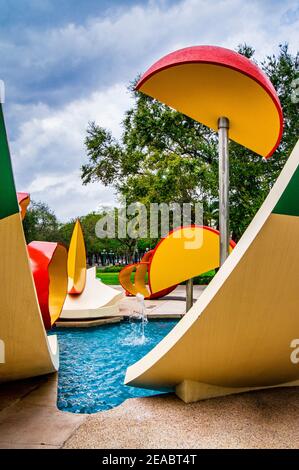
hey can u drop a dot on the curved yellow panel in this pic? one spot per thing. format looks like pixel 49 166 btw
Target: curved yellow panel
pixel 194 90
pixel 138 287
pixel 58 282
pixel 209 82
pixel 76 264
pixel 185 253
pixel 124 278
pixel 28 351
pixel 140 277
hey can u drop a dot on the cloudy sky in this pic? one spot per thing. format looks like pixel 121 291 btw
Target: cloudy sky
pixel 67 62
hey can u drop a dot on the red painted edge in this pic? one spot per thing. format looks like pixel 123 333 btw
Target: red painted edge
pixel 22 197
pixel 232 243
pixel 218 56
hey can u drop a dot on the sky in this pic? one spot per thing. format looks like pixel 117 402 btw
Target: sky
pixel 68 62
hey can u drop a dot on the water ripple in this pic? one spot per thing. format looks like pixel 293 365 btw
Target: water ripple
pixel 93 363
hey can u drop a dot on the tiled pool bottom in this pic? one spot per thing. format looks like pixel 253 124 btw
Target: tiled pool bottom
pixel 93 363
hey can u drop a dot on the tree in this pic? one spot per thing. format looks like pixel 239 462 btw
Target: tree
pixel 164 156
pixel 40 223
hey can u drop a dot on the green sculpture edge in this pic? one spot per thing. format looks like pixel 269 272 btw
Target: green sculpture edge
pixel 8 197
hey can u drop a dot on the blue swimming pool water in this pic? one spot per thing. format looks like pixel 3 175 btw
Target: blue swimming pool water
pixel 93 363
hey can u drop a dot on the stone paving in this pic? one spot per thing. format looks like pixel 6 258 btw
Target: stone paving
pixel 172 305
pixel 263 419
pixel 29 418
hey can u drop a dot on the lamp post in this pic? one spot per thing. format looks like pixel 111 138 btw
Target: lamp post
pixel 104 256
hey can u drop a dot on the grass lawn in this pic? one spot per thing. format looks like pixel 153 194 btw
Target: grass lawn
pixel 112 278
pixel 108 278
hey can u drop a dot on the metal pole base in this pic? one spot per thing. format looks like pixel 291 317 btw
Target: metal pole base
pixel 189 294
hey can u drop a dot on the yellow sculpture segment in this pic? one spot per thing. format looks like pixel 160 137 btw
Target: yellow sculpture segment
pixel 185 253
pixel 207 82
pixel 28 351
pixel 48 262
pixel 88 297
pixel 77 261
pixel 238 335
pixel 139 285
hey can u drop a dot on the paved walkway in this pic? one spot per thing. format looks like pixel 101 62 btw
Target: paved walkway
pixel 170 306
pixel 29 418
pixel 263 419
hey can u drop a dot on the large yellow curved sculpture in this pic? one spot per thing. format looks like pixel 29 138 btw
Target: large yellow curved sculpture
pixel 238 335
pixel 28 351
pixel 76 263
pixel 88 297
pixel 207 82
pixel 185 253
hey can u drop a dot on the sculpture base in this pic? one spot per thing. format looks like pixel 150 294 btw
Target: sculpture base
pixel 190 391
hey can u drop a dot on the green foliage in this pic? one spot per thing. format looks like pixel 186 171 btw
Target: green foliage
pixel 110 278
pixel 110 269
pixel 164 156
pixel 40 223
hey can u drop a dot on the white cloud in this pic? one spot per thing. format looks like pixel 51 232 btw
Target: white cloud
pixel 48 145
pixel 49 150
pixel 134 35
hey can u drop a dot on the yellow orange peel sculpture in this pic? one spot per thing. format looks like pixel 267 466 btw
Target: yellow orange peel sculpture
pixel 28 350
pixel 186 252
pixel 76 263
pixel 207 82
pixel 88 298
pixel 193 250
pixel 48 262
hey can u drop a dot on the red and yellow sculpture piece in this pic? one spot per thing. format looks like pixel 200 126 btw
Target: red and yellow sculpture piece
pixel 186 252
pixel 48 262
pixel 207 82
pixel 140 272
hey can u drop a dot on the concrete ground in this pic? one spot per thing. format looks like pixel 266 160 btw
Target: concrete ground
pixel 263 419
pixel 29 418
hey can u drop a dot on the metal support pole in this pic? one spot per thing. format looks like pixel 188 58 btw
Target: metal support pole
pixel 189 294
pixel 223 127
